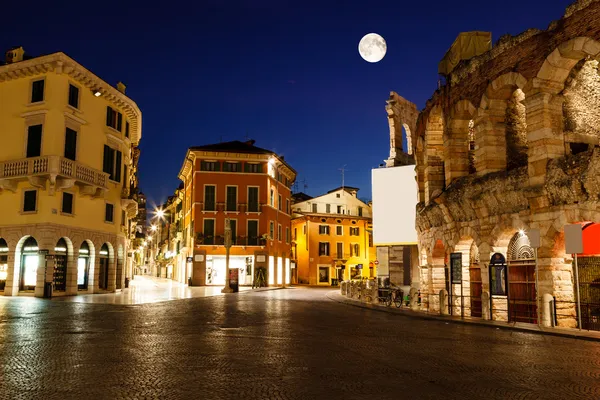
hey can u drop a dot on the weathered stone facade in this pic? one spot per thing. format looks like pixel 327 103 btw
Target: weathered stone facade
pixel 510 143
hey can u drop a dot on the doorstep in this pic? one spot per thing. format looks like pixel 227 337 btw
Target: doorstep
pixel 572 333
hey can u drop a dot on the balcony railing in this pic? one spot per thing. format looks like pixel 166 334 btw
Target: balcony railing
pixel 341 256
pixel 53 165
pixel 231 207
pixel 219 240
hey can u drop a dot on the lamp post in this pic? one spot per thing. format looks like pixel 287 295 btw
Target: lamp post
pixel 227 288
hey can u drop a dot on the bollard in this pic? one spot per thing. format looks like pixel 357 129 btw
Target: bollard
pixel 415 299
pixel 444 302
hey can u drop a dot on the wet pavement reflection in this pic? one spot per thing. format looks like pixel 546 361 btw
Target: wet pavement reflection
pixel 281 344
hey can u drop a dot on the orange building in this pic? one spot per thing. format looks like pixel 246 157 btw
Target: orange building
pixel 250 186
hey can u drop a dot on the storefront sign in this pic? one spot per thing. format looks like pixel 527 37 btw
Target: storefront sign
pixel 456 268
pixel 199 257
pixel 260 258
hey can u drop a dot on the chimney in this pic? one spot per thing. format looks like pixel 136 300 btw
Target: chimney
pixel 121 87
pixel 14 55
pixel 250 142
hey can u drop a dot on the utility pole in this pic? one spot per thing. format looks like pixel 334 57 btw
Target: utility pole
pixel 343 169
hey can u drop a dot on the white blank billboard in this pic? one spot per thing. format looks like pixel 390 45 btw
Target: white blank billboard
pixel 394 205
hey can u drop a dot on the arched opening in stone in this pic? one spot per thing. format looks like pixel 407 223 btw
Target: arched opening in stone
pixel 462 298
pixel 471 150
pixel 103 267
pixel 522 305
pixel 475 281
pixel 85 265
pixel 516 131
pixel 581 107
pixel 59 279
pixel 29 265
pixel 407 140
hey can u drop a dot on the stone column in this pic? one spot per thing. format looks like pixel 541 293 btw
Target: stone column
pixel 12 278
pixel 438 282
pixel 72 270
pixel 545 136
pixel 456 150
pixel 112 272
pixel 490 137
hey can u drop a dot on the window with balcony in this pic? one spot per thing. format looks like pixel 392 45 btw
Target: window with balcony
pixel 74 96
pixel 231 167
pixel 70 144
pixel 112 164
pixel 109 212
pixel 209 198
pixel 34 141
pixel 253 233
pixel 37 91
pixel 67 203
pixel 323 229
pixel 209 231
pixel 210 166
pixel 114 119
pixel 30 201
pixel 231 198
pixel 253 199
pixel 323 248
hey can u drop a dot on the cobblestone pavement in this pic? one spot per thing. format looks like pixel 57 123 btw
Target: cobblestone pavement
pixel 281 344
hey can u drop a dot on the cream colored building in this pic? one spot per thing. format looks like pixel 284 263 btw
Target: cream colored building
pixel 68 181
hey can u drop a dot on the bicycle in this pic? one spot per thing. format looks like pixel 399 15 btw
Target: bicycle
pixel 385 296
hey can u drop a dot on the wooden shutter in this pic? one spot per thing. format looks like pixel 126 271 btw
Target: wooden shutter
pixel 109 116
pixel 118 166
pixel 34 141
pixel 70 144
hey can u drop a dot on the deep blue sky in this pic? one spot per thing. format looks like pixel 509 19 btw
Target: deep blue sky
pixel 287 74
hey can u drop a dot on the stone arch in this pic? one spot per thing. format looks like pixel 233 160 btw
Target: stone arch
pixel 434 176
pixel 500 127
pixel 105 274
pixel 464 246
pixel 557 66
pixel 402 116
pixel 20 251
pixel 457 141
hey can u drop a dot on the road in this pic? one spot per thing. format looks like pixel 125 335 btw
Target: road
pixel 280 344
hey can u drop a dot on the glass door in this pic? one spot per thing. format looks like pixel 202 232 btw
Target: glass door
pixel 29 268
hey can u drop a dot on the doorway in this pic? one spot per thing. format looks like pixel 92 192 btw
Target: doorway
pixel 60 266
pixel 83 267
pixel 103 268
pixel 30 260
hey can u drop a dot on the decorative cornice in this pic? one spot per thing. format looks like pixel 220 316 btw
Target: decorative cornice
pixel 61 63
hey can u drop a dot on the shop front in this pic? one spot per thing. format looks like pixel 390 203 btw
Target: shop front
pixel 83 267
pixel 216 266
pixel 29 264
pixel 3 264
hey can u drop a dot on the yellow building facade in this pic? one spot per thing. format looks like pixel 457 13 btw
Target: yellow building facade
pixel 68 182
pixel 332 238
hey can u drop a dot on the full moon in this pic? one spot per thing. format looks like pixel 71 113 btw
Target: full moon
pixel 372 47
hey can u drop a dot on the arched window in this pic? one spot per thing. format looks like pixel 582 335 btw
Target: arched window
pixel 83 266
pixel 103 265
pixel 29 264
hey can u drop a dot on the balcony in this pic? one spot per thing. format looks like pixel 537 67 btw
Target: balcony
pixel 341 256
pixel 231 207
pixel 219 240
pixel 129 202
pixel 61 172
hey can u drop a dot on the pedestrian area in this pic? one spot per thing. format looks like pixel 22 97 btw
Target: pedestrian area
pixel 147 289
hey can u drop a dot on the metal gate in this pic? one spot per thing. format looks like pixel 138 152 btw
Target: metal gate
pixel 60 273
pixel 522 305
pixel 589 289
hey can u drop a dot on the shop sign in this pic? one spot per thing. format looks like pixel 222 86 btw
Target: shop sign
pixel 456 268
pixel 199 257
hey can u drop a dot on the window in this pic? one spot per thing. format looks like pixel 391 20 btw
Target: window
pixel 253 199
pixel 340 250
pixel 339 209
pixel 370 239
pixel 271 230
pixel 109 212
pixel 37 91
pixel 272 198
pixel 73 96
pixel 123 218
pixel 70 144
pixel 253 168
pixel 279 203
pixel 323 248
pixel 354 250
pixel 323 274
pixel 30 200
pixel 328 208
pixel 287 235
pixel 210 166
pixel 231 167
pixel 114 119
pixel 209 198
pixel 354 231
pixel 209 231
pixel 323 229
pixel 233 226
pixel 287 206
pixel 279 232
pixel 67 203
pixel 112 163
pixel 360 211
pixel 339 230
pixel 231 199
pixel 253 233
pixel 314 207
pixel 337 195
pixel 34 141
pixel 126 129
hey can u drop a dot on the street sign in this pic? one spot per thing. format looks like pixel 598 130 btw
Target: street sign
pixel 376 262
pixel 189 259
pixel 573 239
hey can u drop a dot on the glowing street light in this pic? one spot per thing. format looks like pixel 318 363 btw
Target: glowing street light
pixel 160 213
pixel 153 228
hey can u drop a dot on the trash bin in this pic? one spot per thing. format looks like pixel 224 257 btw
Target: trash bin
pixel 48 290
pixel 126 282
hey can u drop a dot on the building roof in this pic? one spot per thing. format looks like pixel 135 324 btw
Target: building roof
pixel 300 196
pixel 348 189
pixel 234 147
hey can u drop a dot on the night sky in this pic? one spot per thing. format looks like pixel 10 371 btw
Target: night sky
pixel 287 74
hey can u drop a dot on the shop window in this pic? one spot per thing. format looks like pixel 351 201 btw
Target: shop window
pixel 83 266
pixel 323 274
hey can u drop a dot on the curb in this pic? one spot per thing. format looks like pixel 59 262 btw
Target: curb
pixel 483 323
